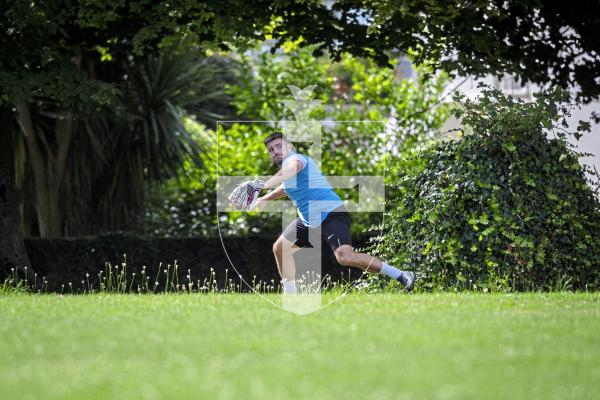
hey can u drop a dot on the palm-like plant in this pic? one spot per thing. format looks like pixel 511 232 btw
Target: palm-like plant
pixel 115 154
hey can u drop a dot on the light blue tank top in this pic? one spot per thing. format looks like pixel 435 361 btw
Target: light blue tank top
pixel 310 192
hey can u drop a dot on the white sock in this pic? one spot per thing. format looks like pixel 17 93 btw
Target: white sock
pixel 390 271
pixel 289 286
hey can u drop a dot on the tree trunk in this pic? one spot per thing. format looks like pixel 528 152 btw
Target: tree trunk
pixel 48 163
pixel 12 248
pixel 46 206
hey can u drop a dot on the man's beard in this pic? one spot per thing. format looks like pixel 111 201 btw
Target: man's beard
pixel 278 163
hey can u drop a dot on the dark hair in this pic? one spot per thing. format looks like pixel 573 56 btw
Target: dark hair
pixel 273 136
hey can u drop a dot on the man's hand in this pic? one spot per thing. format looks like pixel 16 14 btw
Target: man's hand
pixel 261 203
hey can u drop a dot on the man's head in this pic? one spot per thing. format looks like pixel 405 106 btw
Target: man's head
pixel 278 147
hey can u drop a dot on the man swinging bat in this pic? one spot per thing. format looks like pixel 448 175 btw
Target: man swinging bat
pixel 329 213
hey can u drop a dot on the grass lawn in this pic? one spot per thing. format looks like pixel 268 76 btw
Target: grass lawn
pixel 381 346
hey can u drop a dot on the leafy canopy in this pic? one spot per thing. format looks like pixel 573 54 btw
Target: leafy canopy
pixel 537 41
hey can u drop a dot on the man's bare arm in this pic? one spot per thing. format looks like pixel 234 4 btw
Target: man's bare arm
pixel 278 193
pixel 274 194
pixel 285 173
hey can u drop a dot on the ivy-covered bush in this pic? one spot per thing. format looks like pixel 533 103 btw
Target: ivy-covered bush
pixel 505 207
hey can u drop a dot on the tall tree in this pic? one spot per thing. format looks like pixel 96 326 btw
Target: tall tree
pixel 50 53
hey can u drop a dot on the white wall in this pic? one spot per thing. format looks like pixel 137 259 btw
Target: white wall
pixel 589 143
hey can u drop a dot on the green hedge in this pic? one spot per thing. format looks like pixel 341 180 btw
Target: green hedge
pixel 79 261
pixel 504 208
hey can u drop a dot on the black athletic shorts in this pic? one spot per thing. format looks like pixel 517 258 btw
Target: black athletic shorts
pixel 335 230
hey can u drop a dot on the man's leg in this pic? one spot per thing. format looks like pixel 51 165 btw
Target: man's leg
pixel 336 231
pixel 346 255
pixel 284 256
pixel 294 236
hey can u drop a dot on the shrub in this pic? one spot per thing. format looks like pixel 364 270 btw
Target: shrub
pixel 504 208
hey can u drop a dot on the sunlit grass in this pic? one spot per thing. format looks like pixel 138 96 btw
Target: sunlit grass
pixel 227 345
